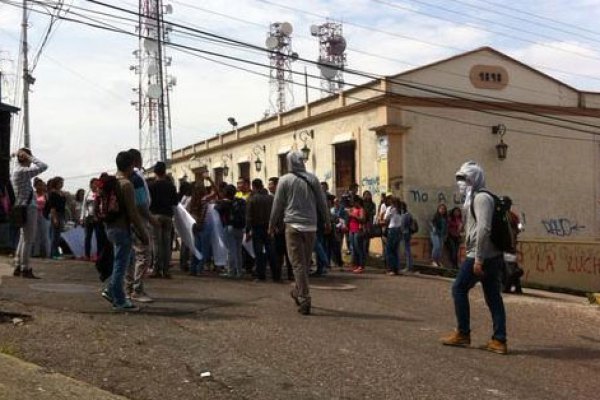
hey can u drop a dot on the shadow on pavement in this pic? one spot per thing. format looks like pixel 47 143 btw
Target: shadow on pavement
pixel 560 353
pixel 325 312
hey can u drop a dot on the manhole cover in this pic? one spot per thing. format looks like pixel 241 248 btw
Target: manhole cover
pixel 63 288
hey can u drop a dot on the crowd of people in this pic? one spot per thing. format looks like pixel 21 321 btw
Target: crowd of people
pixel 246 228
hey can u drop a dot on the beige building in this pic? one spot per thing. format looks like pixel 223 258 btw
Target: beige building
pixel 407 135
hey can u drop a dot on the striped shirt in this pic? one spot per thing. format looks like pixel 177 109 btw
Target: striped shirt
pixel 21 181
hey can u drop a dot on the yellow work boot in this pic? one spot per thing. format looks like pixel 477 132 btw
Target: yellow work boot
pixel 457 339
pixel 496 346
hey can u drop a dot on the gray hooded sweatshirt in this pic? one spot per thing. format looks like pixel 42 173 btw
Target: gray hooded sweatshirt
pixel 295 201
pixel 478 229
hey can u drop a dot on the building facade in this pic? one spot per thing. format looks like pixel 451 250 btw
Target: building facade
pixel 408 134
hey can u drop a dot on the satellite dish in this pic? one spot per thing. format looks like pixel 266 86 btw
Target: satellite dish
pixel 294 56
pixel 150 45
pixel 168 9
pixel 154 91
pixel 173 81
pixel 152 69
pixel 328 72
pixel 314 30
pixel 286 28
pixel 272 42
pixel 337 45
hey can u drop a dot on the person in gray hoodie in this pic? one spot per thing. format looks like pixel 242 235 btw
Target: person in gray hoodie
pixel 484 262
pixel 301 203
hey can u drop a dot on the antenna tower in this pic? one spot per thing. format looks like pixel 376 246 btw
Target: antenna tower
pixel 332 56
pixel 155 84
pixel 279 42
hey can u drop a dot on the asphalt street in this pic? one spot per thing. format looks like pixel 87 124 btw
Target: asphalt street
pixel 370 337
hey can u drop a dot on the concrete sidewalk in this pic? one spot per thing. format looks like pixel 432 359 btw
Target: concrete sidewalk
pixel 20 380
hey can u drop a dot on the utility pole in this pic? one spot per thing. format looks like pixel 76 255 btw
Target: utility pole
pixel 26 79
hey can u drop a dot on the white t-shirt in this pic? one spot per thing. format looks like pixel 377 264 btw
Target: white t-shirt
pixel 391 214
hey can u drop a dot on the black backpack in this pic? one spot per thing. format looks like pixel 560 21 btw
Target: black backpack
pixel 108 203
pixel 238 213
pixel 502 235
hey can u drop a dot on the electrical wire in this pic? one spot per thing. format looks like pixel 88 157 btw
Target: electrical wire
pixel 179 46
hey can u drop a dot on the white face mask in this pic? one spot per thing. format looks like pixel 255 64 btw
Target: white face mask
pixel 462 187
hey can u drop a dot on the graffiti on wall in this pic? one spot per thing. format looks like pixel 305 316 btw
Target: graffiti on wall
pixel 371 184
pixel 435 196
pixel 562 227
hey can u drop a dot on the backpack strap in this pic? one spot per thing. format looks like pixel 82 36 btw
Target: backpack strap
pixel 472 208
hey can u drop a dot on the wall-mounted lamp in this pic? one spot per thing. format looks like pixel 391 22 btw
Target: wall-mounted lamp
pixel 225 166
pixel 304 135
pixel 257 150
pixel 501 147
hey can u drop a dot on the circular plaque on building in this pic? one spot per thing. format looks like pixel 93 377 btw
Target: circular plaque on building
pixel 489 77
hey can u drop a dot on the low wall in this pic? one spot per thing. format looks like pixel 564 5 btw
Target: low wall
pixel 557 264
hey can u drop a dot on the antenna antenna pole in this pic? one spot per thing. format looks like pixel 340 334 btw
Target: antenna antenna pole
pixel 26 78
pixel 162 135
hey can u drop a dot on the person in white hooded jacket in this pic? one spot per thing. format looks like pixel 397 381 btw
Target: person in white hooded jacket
pixel 484 262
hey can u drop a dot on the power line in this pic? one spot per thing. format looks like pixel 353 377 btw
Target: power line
pixel 393 34
pixel 394 5
pixel 441 102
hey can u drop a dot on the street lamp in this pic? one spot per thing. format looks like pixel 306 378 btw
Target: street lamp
pixel 501 147
pixel 233 122
pixel 257 150
pixel 225 166
pixel 304 135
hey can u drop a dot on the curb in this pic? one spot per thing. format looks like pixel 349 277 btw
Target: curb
pixel 22 380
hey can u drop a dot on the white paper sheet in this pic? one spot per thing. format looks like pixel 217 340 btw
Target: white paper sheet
pixel 75 238
pixel 249 246
pixel 184 224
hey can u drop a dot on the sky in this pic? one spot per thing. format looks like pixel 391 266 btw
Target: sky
pixel 81 114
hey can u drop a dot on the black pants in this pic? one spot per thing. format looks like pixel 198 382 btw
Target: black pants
pixel 92 227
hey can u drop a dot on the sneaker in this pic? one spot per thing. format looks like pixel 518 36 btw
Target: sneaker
pixel 294 296
pixel 496 346
pixel 28 273
pixel 358 270
pixel 304 307
pixel 141 297
pixel 392 273
pixel 17 271
pixel 127 306
pixel 457 339
pixel 106 296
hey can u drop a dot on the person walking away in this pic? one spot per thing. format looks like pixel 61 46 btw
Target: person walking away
pixel 90 222
pixel 26 168
pixel 198 208
pixel 119 223
pixel 41 244
pixel 298 201
pixel 164 199
pixel 455 228
pixel 258 213
pixel 370 218
pixel 185 195
pixel 484 262
pixel 233 215
pixel 356 229
pixel 394 235
pixel 438 234
pixel 57 204
pixel 143 252
pixel 280 254
pixel 512 271
pixel 409 227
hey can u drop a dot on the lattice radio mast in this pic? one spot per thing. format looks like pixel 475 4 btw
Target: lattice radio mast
pixel 332 56
pixel 279 41
pixel 155 84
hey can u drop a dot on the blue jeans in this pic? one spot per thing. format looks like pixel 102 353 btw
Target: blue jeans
pixel 358 248
pixel 408 259
pixel 491 281
pixel 320 250
pixel 121 240
pixel 392 248
pixel 436 247
pixel 202 243
pixel 260 241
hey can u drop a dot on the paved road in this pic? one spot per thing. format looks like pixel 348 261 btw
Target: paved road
pixel 378 340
